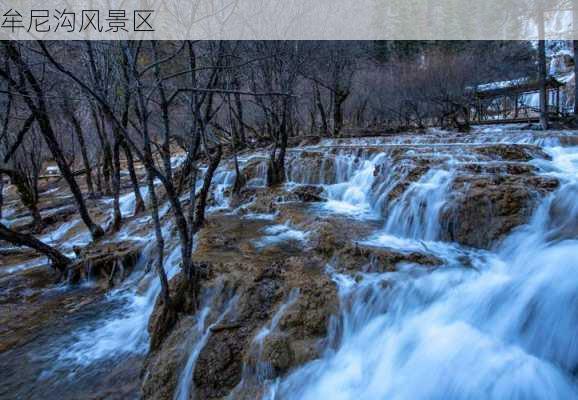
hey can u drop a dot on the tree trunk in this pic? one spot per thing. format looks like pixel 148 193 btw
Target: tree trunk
pixel 117 217
pixel 276 170
pixel 106 163
pixel 28 195
pixel 106 170
pixel 201 203
pixel 59 260
pixel 139 202
pixel 239 106
pixel 324 124
pixel 1 193
pixel 338 100
pixel 98 179
pixel 154 209
pixel 36 102
pixel 165 115
pixel 239 178
pixel 575 46
pixel 84 153
pixel 46 129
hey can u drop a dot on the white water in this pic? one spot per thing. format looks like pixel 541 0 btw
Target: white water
pixel 268 329
pixel 261 372
pixel 351 195
pixel 125 331
pixel 263 368
pixel 200 336
pixel 223 181
pixel 281 233
pixel 119 333
pixel 416 214
pixel 505 329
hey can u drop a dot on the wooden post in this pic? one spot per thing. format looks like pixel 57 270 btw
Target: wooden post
pixel 542 75
pixel 575 48
pixel 558 100
pixel 516 106
pixel 479 107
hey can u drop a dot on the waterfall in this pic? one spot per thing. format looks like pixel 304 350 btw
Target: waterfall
pixel 502 328
pixel 416 214
pixel 352 193
pixel 484 325
pixel 223 181
pixel 124 331
pixel 262 371
pixel 200 335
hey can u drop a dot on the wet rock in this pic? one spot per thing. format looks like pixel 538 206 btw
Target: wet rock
pixel 163 365
pixel 255 170
pixel 311 141
pixel 263 201
pixel 305 350
pixel 563 214
pixel 309 316
pixel 245 196
pixel 220 363
pixel 571 140
pixel 170 333
pixel 358 257
pixel 107 264
pixel 277 353
pixel 510 152
pixel 302 328
pixel 500 168
pixel 307 141
pixel 309 193
pixel 329 235
pixel 311 167
pixel 260 292
pixel 412 174
pixel 324 237
pixel 483 209
pixel 161 323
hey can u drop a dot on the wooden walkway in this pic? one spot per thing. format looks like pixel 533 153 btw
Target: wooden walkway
pixel 520 120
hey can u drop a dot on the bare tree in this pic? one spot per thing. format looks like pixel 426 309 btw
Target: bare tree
pixel 59 260
pixel 33 95
pixel 23 166
pixel 71 113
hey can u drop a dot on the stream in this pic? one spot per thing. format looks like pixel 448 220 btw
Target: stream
pixel 500 326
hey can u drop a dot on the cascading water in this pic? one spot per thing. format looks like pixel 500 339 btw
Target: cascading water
pixel 124 331
pixel 280 233
pixel 352 192
pixel 347 178
pixel 503 327
pixel 416 214
pixel 222 181
pixel 261 372
pixel 200 335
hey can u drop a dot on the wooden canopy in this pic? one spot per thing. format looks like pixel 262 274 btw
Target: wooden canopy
pixel 517 86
